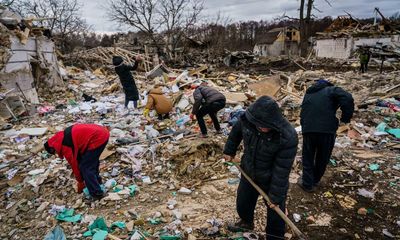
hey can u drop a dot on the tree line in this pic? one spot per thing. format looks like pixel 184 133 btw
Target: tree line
pixel 168 25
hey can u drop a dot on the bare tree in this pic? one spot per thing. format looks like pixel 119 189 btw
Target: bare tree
pixel 139 14
pixel 172 17
pixel 178 16
pixel 306 22
pixel 62 17
pixel 6 3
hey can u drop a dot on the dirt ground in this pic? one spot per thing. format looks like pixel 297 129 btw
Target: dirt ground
pixel 216 199
pixel 335 211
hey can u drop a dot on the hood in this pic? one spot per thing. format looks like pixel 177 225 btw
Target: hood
pixel 265 113
pixel 319 85
pixel 117 60
pixel 157 91
pixel 56 143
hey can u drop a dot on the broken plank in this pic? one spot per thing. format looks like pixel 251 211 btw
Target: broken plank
pixel 299 65
pixel 268 87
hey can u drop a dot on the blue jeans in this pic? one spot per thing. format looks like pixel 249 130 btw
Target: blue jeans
pixel 89 167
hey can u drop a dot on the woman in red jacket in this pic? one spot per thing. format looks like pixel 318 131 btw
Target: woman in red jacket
pixel 82 145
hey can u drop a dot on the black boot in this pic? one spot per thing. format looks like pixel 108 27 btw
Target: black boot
pixel 305 189
pixel 240 226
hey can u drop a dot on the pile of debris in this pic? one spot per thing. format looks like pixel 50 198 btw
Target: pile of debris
pixel 196 159
pixel 153 170
pixel 99 57
pixel 346 25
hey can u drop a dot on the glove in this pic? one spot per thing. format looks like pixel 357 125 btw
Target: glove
pixel 80 186
pixel 146 112
pixel 138 58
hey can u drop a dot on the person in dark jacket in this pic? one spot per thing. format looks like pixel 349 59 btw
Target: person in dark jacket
pixel 365 56
pixel 270 146
pixel 207 100
pixel 319 125
pixel 81 145
pixel 126 78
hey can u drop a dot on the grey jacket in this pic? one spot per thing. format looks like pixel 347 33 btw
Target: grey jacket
pixel 204 95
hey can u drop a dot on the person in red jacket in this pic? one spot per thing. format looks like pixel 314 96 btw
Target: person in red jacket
pixel 82 145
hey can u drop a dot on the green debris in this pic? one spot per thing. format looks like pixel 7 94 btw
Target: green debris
pixel 393 184
pixel 68 216
pixel 132 190
pixel 86 191
pixel 88 233
pixel 98 229
pixel 72 102
pixel 373 166
pixel 100 235
pixel 381 127
pixel 155 221
pixel 394 131
pixel 117 189
pixel 118 224
pixel 99 223
pixel 229 163
pixel 170 237
pixel 333 162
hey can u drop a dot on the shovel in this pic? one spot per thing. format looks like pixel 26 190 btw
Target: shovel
pixel 276 208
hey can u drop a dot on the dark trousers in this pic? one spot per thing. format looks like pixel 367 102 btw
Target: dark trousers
pixel 317 150
pixel 246 202
pixel 89 168
pixel 364 67
pixel 163 116
pixel 127 100
pixel 212 110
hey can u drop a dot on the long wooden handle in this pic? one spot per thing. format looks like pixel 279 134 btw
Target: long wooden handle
pixel 276 208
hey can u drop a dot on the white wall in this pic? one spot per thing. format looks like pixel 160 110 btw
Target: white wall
pixel 373 41
pixel 260 50
pixel 333 48
pixel 343 48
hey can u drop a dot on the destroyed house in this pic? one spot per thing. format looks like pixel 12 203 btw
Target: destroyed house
pixel 279 41
pixel 28 59
pixel 342 38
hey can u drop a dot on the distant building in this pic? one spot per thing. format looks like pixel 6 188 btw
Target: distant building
pixel 279 41
pixel 345 47
pixel 342 38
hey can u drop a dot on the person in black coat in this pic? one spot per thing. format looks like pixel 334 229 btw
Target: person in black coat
pixel 319 125
pixel 270 147
pixel 126 78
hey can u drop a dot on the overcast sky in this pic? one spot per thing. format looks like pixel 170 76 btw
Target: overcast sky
pixel 239 10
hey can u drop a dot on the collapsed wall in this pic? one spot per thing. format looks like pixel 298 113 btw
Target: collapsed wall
pixel 30 66
pixel 27 61
pixel 5 45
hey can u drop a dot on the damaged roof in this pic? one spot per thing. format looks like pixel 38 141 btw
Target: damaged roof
pixel 269 37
